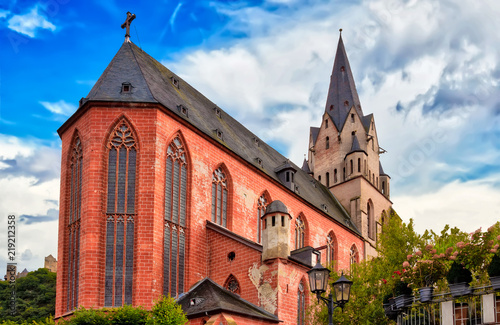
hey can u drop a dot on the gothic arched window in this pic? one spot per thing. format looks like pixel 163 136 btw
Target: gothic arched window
pixel 353 256
pixel 120 214
pixel 174 238
pixel 232 284
pixel 261 210
pixel 299 233
pixel 301 304
pixel 330 248
pixel 75 181
pixel 327 142
pixel 370 220
pixel 219 197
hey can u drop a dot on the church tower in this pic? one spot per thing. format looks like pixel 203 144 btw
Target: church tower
pixel 344 155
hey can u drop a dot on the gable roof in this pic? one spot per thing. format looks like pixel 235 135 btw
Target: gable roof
pixel 342 94
pixel 151 82
pixel 207 297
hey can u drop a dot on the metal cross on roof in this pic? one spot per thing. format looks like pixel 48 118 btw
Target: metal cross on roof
pixel 126 24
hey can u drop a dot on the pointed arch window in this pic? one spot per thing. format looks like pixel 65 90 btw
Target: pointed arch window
pixel 73 253
pixel 261 210
pixel 330 248
pixel 353 256
pixel 327 179
pixel 174 231
pixel 359 165
pixel 370 220
pixel 232 284
pixel 327 142
pixel 299 233
pixel 301 304
pixel 219 197
pixel 335 175
pixel 120 216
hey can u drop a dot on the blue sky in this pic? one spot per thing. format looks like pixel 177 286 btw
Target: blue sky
pixel 427 69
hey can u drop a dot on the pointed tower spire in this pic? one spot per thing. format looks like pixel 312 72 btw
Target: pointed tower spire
pixel 342 94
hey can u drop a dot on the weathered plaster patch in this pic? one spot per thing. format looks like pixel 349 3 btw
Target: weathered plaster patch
pixel 267 295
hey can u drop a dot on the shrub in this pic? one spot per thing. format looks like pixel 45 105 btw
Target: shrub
pixel 167 312
pixel 458 274
pixel 494 267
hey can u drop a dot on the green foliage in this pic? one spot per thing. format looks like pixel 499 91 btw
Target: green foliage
pixel 494 267
pixel 458 273
pixel 402 288
pixel 128 315
pixel 167 312
pixel 47 321
pixel 35 297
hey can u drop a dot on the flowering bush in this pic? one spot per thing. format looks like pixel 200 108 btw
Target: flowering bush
pixel 425 267
pixel 475 254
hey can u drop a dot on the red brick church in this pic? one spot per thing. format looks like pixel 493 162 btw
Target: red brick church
pixel 162 192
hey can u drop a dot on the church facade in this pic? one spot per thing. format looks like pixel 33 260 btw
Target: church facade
pixel 164 193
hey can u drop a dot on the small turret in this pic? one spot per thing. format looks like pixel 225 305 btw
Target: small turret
pixel 276 233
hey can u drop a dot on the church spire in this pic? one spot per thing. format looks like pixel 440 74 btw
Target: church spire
pixel 342 94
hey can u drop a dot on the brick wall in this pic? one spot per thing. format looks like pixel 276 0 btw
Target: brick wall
pixel 206 251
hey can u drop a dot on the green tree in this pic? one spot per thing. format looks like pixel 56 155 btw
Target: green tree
pixel 35 297
pixel 167 312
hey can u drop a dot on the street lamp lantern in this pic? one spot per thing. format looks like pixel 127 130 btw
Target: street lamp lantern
pixel 318 282
pixel 342 288
pixel 318 278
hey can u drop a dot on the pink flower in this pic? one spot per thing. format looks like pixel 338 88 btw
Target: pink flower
pixel 406 264
pixel 498 237
pixel 449 250
pixel 453 257
pixel 408 257
pixel 419 253
pixel 493 250
pixel 429 247
pixel 433 251
pixel 496 246
pixel 460 244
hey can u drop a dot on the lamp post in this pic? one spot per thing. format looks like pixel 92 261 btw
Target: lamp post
pixel 318 282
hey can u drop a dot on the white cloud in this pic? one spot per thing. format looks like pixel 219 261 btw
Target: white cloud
pixel 444 82
pixel 61 107
pixel 28 24
pixel 466 205
pixel 29 185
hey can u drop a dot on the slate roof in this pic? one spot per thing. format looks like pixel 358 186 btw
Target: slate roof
pixel 314 133
pixel 305 167
pixel 207 297
pixel 342 89
pixel 153 83
pixel 355 146
pixel 381 170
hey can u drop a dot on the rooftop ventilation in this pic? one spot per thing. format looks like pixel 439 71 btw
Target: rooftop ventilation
pixel 175 82
pixel 183 110
pixel 324 207
pixel 256 141
pixel 219 134
pixel 218 112
pixel 259 162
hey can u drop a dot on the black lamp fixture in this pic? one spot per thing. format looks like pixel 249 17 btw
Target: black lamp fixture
pixel 318 282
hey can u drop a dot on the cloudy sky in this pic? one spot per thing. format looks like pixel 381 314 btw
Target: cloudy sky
pixel 428 69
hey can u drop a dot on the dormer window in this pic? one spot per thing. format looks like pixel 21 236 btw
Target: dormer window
pixel 342 69
pixel 346 103
pixel 218 112
pixel 175 82
pixel 126 87
pixel 352 118
pixel 331 107
pixel 259 162
pixel 183 110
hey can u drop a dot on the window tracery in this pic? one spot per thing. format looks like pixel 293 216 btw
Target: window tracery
pixel 219 197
